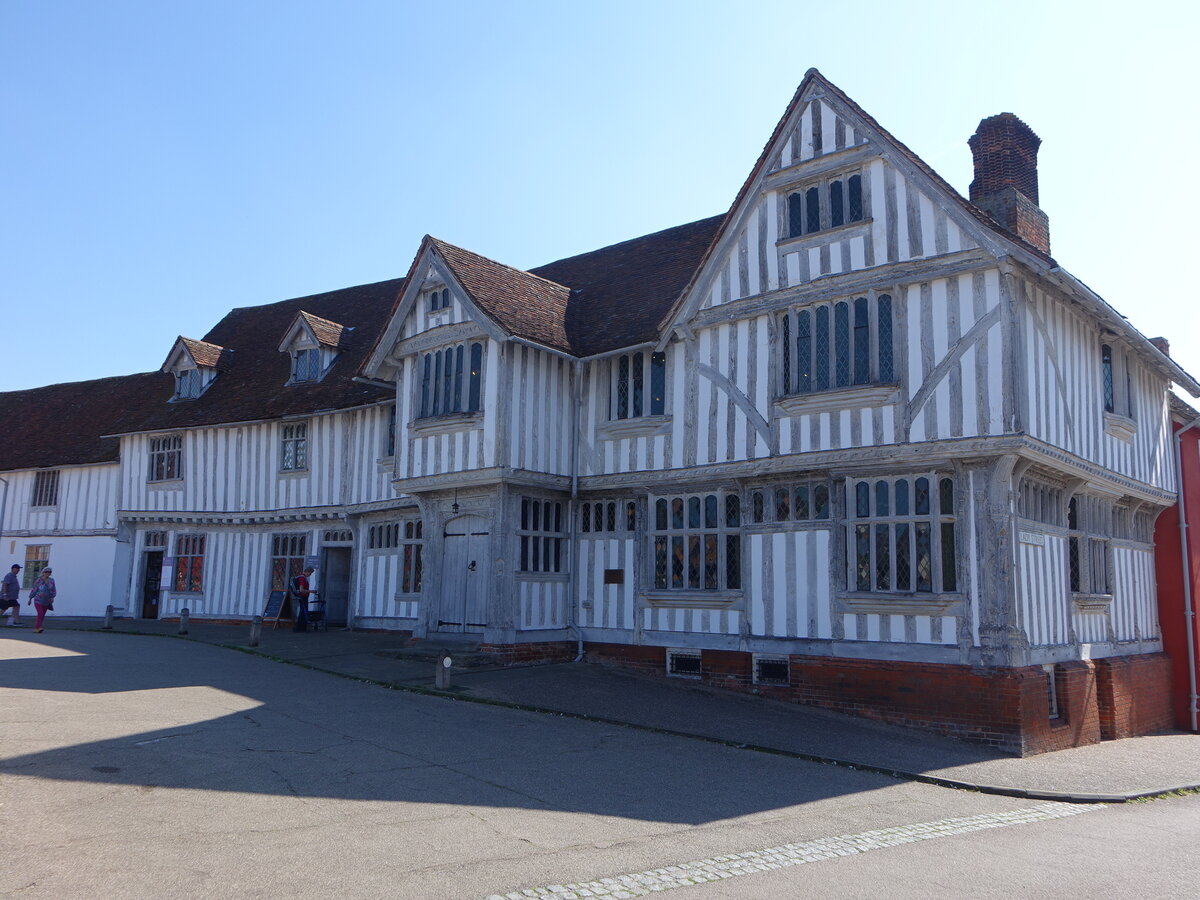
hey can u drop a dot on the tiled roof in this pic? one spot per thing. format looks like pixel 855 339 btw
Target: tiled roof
pixel 65 424
pixel 619 294
pixel 254 386
pixel 522 303
pixel 331 334
pixel 592 303
pixel 210 356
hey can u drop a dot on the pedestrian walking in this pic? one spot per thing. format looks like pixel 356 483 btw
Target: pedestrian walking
pixel 10 595
pixel 41 596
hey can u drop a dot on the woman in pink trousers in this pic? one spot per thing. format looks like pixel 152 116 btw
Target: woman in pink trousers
pixel 41 596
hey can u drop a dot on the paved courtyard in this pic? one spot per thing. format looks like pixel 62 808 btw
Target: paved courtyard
pixel 141 767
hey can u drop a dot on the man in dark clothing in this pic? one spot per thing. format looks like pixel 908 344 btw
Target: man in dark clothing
pixel 10 595
pixel 300 591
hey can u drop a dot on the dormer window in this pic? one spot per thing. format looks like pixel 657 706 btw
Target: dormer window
pixel 306 365
pixel 194 365
pixel 314 345
pixel 439 299
pixel 188 384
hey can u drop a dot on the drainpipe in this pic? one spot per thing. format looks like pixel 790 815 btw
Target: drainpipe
pixel 1189 612
pixel 573 507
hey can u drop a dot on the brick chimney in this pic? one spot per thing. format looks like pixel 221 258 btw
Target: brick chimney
pixel 1006 183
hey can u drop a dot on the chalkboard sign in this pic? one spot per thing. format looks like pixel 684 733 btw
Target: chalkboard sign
pixel 275 607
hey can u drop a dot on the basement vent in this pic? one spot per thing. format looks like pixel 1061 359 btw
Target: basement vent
pixel 683 663
pixel 770 670
pixel 1052 691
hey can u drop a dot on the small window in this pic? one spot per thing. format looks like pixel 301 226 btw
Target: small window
pixel 607 516
pixel 45 488
pixel 829 204
pixel 293 456
pixel 638 384
pixel 389 448
pixel 542 535
pixel 439 299
pixel 683 663
pixel 189 563
pixel 37 557
pixel 443 373
pixel 306 365
pixel 1052 691
pixel 188 383
pixel 287 558
pixel 166 458
pixel 1090 522
pixel 1106 370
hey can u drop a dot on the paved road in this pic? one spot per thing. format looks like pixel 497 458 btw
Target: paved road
pixel 136 767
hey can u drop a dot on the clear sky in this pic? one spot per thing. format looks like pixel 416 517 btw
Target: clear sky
pixel 164 162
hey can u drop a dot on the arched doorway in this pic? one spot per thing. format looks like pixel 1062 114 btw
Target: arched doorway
pixel 465 575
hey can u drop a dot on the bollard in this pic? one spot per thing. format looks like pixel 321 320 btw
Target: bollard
pixel 108 617
pixel 255 630
pixel 183 617
pixel 441 677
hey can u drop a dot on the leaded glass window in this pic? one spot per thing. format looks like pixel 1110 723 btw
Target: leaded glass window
pixel 856 350
pixel 696 542
pixel 893 550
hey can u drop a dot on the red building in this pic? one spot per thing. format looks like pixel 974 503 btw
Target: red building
pixel 1178 572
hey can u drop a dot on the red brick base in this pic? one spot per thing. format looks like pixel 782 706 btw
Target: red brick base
pixel 1006 708
pixel 1134 694
pixel 511 654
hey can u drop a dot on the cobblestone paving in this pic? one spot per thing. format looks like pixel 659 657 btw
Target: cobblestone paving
pixel 718 868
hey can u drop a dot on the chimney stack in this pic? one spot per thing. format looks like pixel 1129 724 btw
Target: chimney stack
pixel 1006 184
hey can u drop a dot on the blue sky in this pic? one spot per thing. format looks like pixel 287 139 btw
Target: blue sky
pixel 163 163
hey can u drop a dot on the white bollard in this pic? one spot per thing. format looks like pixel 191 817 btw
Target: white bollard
pixel 255 630
pixel 441 678
pixel 183 619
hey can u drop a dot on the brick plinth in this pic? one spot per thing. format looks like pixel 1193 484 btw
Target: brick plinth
pixel 1005 708
pixel 1134 694
pixel 513 654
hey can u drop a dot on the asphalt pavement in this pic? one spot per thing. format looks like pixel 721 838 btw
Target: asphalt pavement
pixel 1112 771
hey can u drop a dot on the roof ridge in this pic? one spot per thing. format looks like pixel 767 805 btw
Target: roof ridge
pixel 441 243
pixel 342 290
pixel 640 237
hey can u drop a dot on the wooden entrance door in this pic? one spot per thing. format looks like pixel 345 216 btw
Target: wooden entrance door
pixel 465 570
pixel 335 583
pixel 151 582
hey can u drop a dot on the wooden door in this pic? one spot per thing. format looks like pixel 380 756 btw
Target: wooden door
pixel 465 570
pixel 151 582
pixel 334 584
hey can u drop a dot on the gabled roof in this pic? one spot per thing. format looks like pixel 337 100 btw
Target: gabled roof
pixel 620 293
pixel 521 303
pixel 203 354
pixel 66 424
pixel 326 332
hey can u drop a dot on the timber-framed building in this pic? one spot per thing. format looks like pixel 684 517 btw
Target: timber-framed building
pixel 859 442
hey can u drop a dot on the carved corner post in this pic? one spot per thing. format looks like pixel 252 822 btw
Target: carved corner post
pixel 433 527
pixel 1002 643
pixel 501 601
